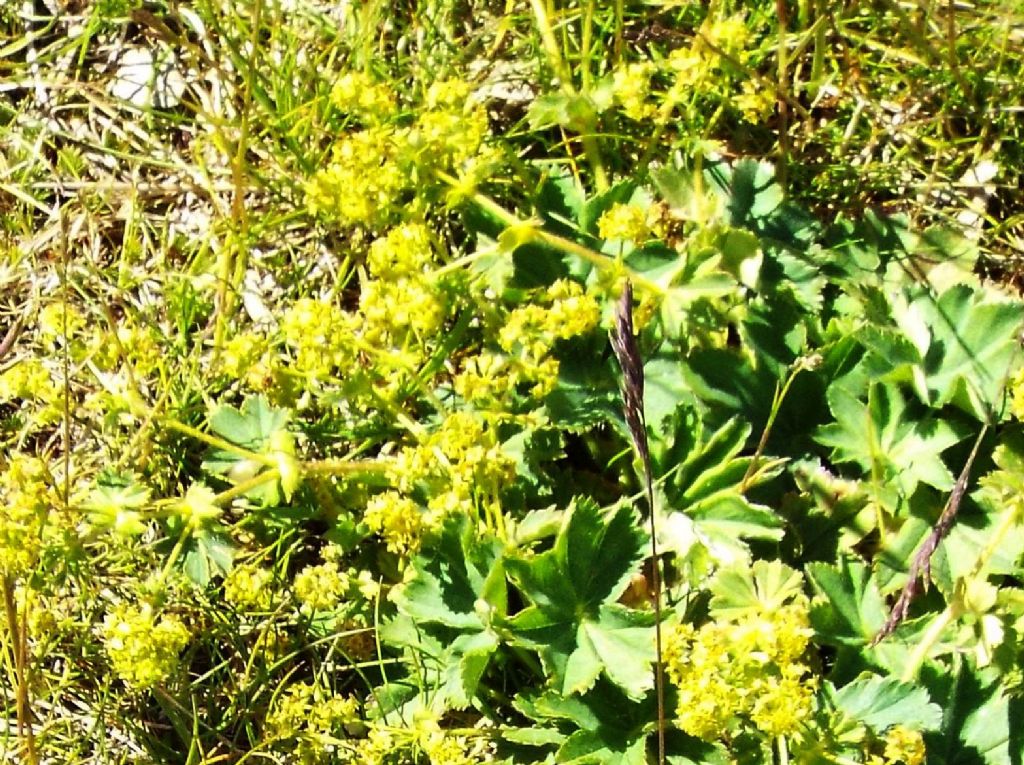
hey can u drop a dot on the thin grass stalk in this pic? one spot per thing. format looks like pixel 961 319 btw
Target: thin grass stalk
pixel 628 354
pixel 920 567
pixel 234 257
pixel 19 647
pixel 782 53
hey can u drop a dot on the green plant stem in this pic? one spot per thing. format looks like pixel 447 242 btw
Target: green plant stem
pixel 19 647
pixel 820 41
pixel 172 559
pixel 551 49
pixel 591 150
pixel 539 235
pixel 345 467
pixel 620 23
pixel 245 487
pixel 783 750
pixel 782 53
pixel 233 260
pixel 930 637
pixel 779 397
pixel 216 442
pixel 586 42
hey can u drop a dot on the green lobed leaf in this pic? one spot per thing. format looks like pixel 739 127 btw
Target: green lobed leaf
pixel 618 642
pixel 775 331
pixel 707 487
pixel 573 621
pixel 761 588
pixel 447 608
pixel 750 189
pixel 981 723
pixel 260 428
pixel 881 702
pixel 882 437
pixel 850 609
pixel 610 727
pixel 465 661
pixel 250 427
pixel 453 576
pixel 970 343
pixel 208 553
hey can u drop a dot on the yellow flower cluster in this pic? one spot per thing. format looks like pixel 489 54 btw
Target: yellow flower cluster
pixel 631 88
pixel 462 459
pixel 443 749
pixel 143 648
pixel 903 745
pixel 374 172
pixel 755 102
pixel 718 37
pixel 530 331
pixel 402 309
pixel 471 454
pixel 25 500
pixel 707 66
pixel 398 520
pixel 29 381
pixel 359 94
pixel 405 250
pixel 624 222
pixel 396 309
pixel 240 353
pixel 314 718
pixel 321 337
pixel 728 35
pixel 393 331
pixel 143 348
pixel 321 587
pixel 357 639
pixel 462 467
pixel 364 181
pixel 451 129
pixel 247 356
pixel 486 380
pixel 1016 388
pixel 54 321
pixel 249 588
pixel 743 670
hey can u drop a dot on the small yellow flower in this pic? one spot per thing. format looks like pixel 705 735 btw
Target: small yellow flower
pixel 25 500
pixel 397 519
pixel 143 648
pixel 623 222
pixel 755 102
pixel 405 250
pixel 320 587
pixel 27 380
pixel 364 181
pixel 743 670
pixel 54 321
pixel 728 35
pixel 485 377
pixel 359 94
pixel 394 308
pixel 904 745
pixel 631 86
pixel 321 336
pixel 1017 394
pixel 249 587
